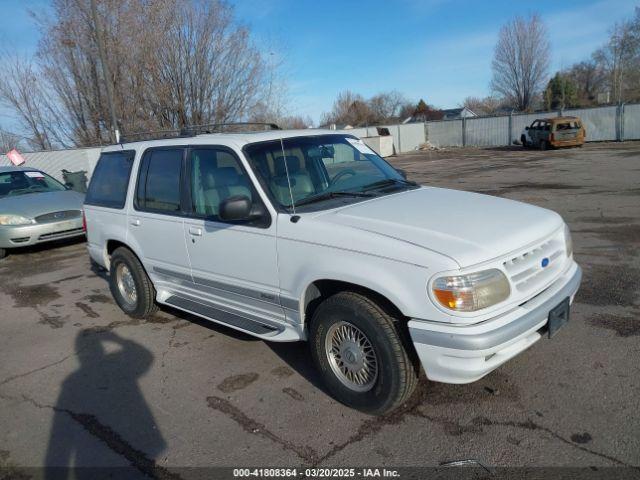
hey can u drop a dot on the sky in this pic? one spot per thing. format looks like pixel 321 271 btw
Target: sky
pixel 437 50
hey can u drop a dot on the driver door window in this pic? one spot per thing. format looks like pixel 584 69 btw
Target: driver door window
pixel 533 131
pixel 216 175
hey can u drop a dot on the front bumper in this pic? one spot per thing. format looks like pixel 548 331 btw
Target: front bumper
pixel 24 235
pixel 464 354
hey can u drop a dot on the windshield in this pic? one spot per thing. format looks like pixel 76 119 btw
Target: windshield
pixel 21 183
pixel 303 170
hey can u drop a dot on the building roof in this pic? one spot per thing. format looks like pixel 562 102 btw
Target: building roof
pixel 456 111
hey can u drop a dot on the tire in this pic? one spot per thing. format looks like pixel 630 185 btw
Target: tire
pixel 523 140
pixel 543 145
pixel 143 304
pixel 396 374
pixel 3 253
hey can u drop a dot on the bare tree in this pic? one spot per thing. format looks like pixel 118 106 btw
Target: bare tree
pixel 620 57
pixel 349 108
pixel 521 61
pixel 590 80
pixel 208 70
pixel 171 63
pixel 22 91
pixel 406 111
pixel 8 141
pixel 296 122
pixel 353 109
pixel 386 106
pixel 484 106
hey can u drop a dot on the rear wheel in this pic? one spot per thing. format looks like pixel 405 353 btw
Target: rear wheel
pixel 543 145
pixel 523 140
pixel 130 285
pixel 359 351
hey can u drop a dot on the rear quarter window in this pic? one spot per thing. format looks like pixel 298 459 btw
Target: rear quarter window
pixel 110 180
pixel 159 181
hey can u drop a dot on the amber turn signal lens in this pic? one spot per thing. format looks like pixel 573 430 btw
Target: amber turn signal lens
pixel 446 298
pixel 471 292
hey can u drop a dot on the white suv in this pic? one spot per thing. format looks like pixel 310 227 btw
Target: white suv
pixel 310 235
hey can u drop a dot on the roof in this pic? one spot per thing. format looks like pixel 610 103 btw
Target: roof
pixel 11 168
pixel 238 139
pixel 558 119
pixel 457 111
pixel 562 119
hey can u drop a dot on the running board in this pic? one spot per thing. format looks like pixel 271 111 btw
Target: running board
pixel 221 316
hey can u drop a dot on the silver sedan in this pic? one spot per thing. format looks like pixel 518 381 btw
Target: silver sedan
pixel 36 208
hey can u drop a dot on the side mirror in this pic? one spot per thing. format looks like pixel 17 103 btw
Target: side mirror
pixel 526 128
pixel 402 172
pixel 239 207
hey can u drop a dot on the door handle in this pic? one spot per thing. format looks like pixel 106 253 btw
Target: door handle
pixel 195 231
pixel 135 223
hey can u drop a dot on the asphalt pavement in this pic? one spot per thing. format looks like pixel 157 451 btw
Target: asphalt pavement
pixel 82 383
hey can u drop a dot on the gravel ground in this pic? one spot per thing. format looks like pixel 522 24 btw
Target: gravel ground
pixel 80 382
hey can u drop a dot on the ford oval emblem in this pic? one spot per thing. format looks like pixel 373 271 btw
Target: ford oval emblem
pixel 545 262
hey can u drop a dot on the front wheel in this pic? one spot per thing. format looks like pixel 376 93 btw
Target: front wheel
pixel 3 253
pixel 359 351
pixel 130 285
pixel 523 140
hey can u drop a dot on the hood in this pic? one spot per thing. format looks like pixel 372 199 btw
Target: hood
pixel 31 205
pixel 468 227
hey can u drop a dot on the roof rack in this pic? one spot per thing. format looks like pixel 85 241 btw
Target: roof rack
pixel 193 130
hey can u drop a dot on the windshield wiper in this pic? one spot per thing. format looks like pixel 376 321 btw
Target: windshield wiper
pixel 328 195
pixel 388 182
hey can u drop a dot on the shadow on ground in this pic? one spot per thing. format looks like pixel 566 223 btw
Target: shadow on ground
pixel 103 397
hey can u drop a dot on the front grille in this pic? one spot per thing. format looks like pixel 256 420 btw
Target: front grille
pixel 526 271
pixel 58 216
pixel 63 233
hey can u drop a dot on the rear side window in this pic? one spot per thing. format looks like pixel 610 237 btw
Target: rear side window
pixel 159 181
pixel 110 179
pixel 568 125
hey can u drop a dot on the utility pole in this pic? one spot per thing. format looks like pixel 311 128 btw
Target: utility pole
pixel 105 73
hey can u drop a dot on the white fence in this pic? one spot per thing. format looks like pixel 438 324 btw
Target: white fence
pixel 601 123
pixel 631 122
pixel 55 161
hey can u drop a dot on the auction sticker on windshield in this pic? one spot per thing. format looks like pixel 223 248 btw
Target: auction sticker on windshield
pixel 360 146
pixel 34 174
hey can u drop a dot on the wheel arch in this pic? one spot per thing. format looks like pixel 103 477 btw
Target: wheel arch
pixel 321 289
pixel 112 245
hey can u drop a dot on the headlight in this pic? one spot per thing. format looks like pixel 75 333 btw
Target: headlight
pixel 468 293
pixel 568 243
pixel 15 220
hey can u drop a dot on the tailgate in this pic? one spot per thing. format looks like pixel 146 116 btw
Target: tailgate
pixel 568 134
